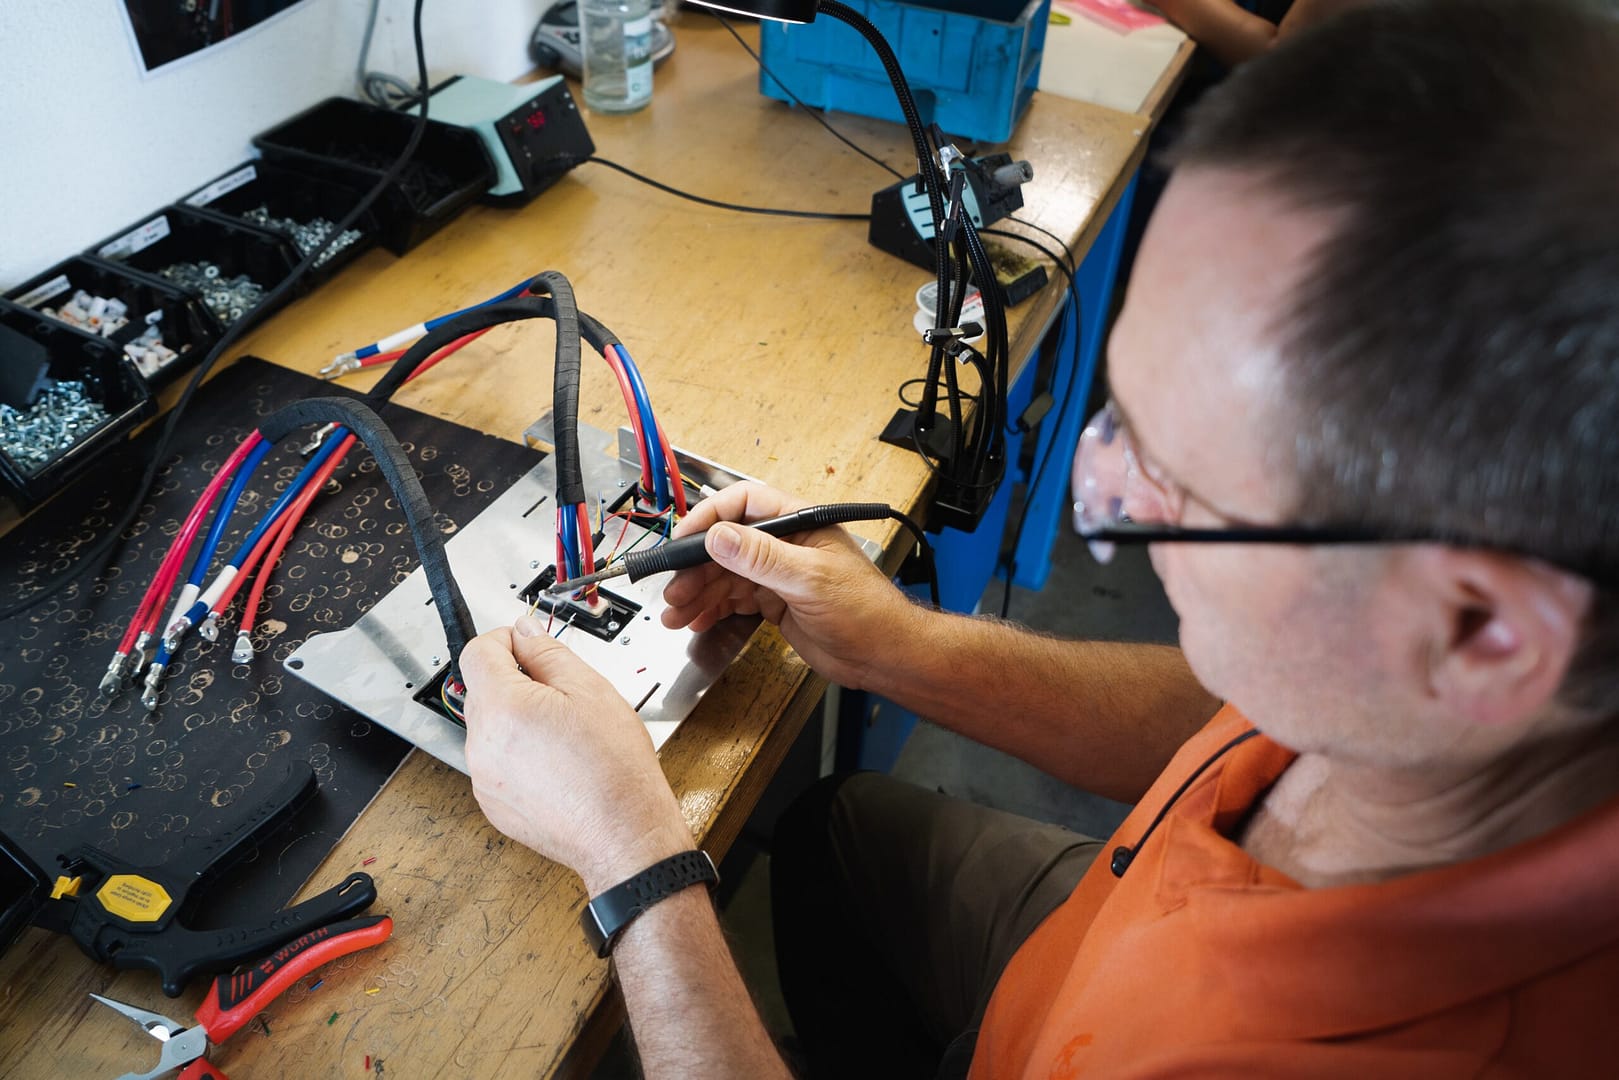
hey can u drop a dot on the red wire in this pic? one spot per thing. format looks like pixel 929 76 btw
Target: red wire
pixel 151 606
pixel 245 571
pixel 294 517
pixel 611 356
pixel 448 351
pixel 675 482
pixel 587 548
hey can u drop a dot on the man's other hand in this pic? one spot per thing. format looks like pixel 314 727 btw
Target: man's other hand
pixel 831 603
pixel 560 762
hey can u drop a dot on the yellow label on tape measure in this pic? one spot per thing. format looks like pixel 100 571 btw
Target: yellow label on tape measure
pixel 131 897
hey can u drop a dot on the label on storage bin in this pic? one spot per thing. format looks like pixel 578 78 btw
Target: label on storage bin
pixel 224 186
pixel 638 59
pixel 138 239
pixel 56 286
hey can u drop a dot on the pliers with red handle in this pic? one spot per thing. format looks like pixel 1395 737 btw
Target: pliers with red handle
pixel 234 1000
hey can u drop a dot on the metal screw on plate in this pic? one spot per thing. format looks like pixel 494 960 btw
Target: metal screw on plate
pixel 621 483
pixel 534 564
pixel 623 641
pixel 433 662
pixel 612 626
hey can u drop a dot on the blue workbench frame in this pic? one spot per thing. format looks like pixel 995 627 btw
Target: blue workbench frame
pixel 871 730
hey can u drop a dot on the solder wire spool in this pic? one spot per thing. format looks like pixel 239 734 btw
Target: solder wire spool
pixel 927 298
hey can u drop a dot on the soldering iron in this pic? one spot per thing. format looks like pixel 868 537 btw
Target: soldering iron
pixel 691 551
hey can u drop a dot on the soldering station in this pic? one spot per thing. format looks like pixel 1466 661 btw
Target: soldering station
pixel 288 552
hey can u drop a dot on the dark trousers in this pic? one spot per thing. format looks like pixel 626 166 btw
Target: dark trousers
pixel 896 910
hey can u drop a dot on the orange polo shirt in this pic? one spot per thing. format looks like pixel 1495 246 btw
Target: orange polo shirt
pixel 1201 961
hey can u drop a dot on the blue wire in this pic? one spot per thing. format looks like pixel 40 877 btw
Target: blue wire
pixel 567 522
pixel 649 450
pixel 649 429
pixel 222 516
pixel 431 324
pixel 327 449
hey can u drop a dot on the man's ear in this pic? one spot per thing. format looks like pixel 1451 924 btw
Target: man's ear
pixel 1510 629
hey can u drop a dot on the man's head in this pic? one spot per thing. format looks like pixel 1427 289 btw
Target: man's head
pixel 1382 290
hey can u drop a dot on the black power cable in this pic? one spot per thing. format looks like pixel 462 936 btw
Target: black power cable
pixel 716 203
pixel 1068 267
pixel 94 560
pixel 812 113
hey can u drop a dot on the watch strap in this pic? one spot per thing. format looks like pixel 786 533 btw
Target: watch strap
pixel 606 916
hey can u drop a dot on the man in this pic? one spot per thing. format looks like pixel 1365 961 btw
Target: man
pixel 1377 315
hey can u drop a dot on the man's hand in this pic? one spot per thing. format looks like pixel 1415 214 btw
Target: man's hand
pixel 559 760
pixel 831 603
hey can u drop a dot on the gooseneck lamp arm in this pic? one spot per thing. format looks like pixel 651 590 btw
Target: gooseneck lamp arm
pixel 979 471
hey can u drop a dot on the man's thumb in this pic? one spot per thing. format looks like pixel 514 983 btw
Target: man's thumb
pixel 781 567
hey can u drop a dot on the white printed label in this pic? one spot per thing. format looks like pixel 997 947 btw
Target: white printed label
pixel 224 186
pixel 638 81
pixel 138 240
pixel 56 286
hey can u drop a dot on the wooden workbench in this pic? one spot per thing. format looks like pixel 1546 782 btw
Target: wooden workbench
pixel 772 345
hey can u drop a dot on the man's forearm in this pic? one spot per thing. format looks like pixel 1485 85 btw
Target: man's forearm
pixel 689 1010
pixel 1102 716
pixel 1225 29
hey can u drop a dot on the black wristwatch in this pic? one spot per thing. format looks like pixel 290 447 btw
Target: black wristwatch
pixel 606 916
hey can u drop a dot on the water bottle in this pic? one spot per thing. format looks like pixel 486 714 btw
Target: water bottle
pixel 617 39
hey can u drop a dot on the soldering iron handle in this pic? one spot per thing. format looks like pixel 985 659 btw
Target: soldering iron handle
pixel 691 551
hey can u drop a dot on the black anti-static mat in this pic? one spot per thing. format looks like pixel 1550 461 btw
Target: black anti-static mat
pixel 77 768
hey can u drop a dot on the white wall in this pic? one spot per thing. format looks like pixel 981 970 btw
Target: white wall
pixel 89 143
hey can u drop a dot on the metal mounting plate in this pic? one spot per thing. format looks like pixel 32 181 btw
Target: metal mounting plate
pixel 377 665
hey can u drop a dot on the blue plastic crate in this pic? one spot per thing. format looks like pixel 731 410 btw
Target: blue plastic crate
pixel 972 66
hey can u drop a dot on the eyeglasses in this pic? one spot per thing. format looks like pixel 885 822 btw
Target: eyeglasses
pixel 1121 498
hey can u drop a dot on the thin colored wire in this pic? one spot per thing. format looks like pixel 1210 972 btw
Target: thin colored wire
pixel 294 516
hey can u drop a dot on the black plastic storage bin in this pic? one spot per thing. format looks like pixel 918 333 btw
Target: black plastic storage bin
pixel 183 318
pixel 354 142
pixel 180 234
pixel 288 193
pixel 108 377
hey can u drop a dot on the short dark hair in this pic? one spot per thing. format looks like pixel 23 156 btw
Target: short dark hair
pixel 1453 350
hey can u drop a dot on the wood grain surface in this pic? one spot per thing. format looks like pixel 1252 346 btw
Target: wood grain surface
pixel 772 345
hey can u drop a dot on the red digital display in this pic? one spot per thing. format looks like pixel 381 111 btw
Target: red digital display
pixel 536 119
